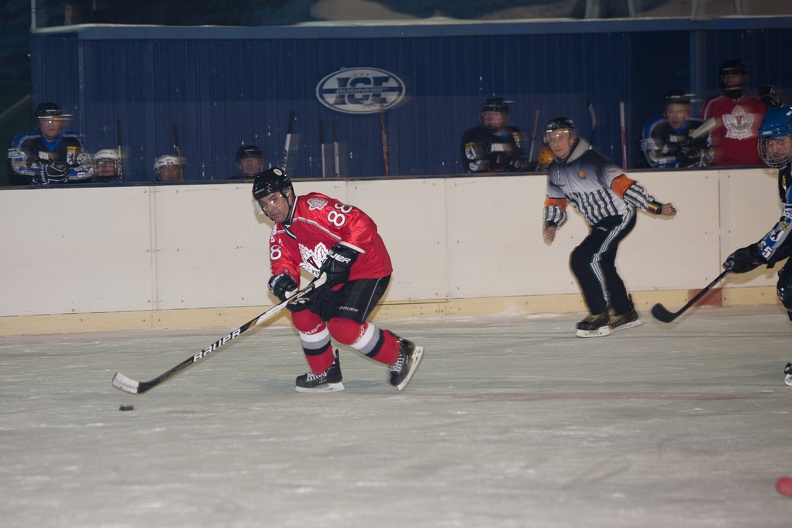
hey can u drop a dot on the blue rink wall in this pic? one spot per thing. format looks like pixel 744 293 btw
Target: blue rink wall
pixel 219 87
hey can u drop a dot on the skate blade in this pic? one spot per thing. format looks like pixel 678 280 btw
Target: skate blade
pixel 631 324
pixel 330 387
pixel 417 356
pixel 599 332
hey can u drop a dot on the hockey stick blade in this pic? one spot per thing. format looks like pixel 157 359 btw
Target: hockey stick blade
pixel 127 384
pixel 664 315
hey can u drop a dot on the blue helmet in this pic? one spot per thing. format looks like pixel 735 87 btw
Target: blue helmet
pixel 776 123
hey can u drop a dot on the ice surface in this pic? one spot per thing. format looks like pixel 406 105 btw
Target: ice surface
pixel 511 421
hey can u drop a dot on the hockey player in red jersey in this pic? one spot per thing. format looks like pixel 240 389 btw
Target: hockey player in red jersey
pixel 607 199
pixel 325 236
pixel 735 138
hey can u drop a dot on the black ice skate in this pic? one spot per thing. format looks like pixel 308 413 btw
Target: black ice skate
pixel 788 374
pixel 327 381
pixel 410 357
pixel 628 319
pixel 595 325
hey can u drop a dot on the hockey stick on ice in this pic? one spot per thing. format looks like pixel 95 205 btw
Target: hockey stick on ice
pixel 662 314
pixel 126 384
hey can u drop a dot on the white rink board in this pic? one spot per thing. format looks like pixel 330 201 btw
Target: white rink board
pixel 126 249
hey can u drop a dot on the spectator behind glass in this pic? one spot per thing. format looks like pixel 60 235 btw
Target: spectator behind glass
pixel 735 139
pixel 666 141
pixel 49 154
pixel 168 169
pixel 494 145
pixel 107 166
pixel 249 161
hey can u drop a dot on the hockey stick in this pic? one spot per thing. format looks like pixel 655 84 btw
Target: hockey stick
pixel 533 135
pixel 126 384
pixel 704 129
pixel 289 130
pixel 176 144
pixel 662 314
pixel 336 150
pixel 384 133
pixel 593 124
pixel 623 135
pixel 120 154
pixel 322 147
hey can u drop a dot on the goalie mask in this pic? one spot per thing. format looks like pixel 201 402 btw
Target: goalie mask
pixel 775 137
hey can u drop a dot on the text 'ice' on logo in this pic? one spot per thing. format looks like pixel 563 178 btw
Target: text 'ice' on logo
pixel 360 90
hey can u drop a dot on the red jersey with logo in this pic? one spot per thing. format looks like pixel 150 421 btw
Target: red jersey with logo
pixel 318 223
pixel 734 141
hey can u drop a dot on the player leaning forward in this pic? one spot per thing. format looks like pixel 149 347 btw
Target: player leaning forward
pixel 607 198
pixel 775 149
pixel 325 236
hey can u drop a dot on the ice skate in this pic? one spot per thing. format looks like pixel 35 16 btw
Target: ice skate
pixel 327 381
pixel 788 374
pixel 595 325
pixel 628 319
pixel 410 357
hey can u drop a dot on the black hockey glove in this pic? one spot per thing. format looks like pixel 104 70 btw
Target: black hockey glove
pixel 688 155
pixel 50 173
pixel 282 284
pixel 744 260
pixel 337 265
pixel 770 96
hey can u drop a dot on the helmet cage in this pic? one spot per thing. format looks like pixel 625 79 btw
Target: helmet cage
pixel 777 123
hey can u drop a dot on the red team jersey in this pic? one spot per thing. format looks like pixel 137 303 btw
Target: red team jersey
pixel 319 223
pixel 734 142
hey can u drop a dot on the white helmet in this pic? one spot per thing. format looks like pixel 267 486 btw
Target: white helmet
pixel 165 160
pixel 107 154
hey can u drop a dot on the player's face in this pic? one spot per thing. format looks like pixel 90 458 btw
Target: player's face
pixel 780 148
pixel 494 119
pixel 51 127
pixel 276 206
pixel 560 143
pixel 677 114
pixel 732 79
pixel 170 173
pixel 249 167
pixel 106 168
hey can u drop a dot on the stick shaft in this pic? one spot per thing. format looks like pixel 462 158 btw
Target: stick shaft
pixel 623 134
pixel 662 314
pixel 126 384
pixel 289 130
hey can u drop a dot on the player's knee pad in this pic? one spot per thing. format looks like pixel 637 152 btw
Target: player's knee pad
pixel 306 321
pixel 784 287
pixel 345 331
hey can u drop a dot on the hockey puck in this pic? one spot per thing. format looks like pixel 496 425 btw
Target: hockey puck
pixel 127 408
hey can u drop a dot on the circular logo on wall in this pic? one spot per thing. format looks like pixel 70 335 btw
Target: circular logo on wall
pixel 360 90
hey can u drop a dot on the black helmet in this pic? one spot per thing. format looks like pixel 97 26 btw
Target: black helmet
pixel 271 181
pixel 248 151
pixel 47 110
pixel 559 123
pixel 676 97
pixel 733 67
pixel 495 104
